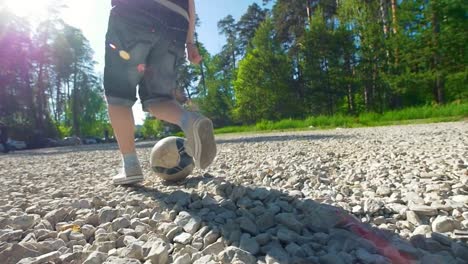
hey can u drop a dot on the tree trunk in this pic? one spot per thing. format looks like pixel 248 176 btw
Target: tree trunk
pixel 350 98
pixel 350 90
pixel 233 59
pixel 76 128
pixel 394 17
pixel 53 104
pixel 329 88
pixel 58 109
pixel 202 70
pixel 39 103
pixel 367 97
pixel 439 88
pixel 375 72
pixel 309 12
pixel 395 28
pixel 384 16
pixel 438 82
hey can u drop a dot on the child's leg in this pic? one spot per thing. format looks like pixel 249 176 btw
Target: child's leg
pixel 169 111
pixel 127 47
pixel 198 130
pixel 123 124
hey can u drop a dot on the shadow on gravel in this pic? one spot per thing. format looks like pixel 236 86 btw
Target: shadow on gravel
pixel 283 227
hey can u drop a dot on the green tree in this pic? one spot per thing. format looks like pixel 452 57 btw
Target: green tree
pixel 327 63
pixel 262 84
pixel 218 101
pixel 227 26
pixel 16 71
pixel 48 79
pixel 151 128
pixel 248 25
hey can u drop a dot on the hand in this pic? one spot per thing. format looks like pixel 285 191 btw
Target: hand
pixel 193 54
pixel 180 96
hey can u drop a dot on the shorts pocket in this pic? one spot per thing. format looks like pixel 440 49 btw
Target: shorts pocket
pixel 124 36
pixel 115 37
pixel 177 48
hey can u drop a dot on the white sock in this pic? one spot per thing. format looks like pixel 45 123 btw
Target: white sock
pixel 185 120
pixel 131 165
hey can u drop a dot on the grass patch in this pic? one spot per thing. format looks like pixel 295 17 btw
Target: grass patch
pixel 413 115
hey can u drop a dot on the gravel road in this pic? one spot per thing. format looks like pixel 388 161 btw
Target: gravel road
pixel 394 194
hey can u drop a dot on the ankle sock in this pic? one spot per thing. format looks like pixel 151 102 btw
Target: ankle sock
pixel 185 120
pixel 131 165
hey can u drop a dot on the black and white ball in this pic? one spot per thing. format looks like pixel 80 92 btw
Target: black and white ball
pixel 169 160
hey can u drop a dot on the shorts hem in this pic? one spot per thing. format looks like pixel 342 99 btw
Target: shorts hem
pixel 111 100
pixel 147 103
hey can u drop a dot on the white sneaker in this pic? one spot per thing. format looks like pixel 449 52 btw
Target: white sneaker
pixel 200 142
pixel 126 177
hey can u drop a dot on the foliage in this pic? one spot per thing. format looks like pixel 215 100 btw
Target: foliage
pixel 152 128
pixel 423 114
pixel 47 79
pixel 262 85
pixel 322 62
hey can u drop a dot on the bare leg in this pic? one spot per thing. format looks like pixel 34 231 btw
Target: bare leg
pixel 169 111
pixel 124 126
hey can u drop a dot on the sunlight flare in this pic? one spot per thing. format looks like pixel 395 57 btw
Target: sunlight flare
pixel 36 9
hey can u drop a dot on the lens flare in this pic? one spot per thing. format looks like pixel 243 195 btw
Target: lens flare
pixel 36 9
pixel 124 55
pixel 141 68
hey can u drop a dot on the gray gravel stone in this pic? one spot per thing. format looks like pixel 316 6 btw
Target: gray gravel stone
pixel 96 257
pixel 368 258
pixel 214 249
pixel 443 224
pixel 193 225
pixel 265 221
pixel 315 197
pixel 248 225
pixel 184 259
pixel 331 259
pixel 371 206
pixel 460 250
pixel 11 236
pixel 210 237
pixel 290 221
pixel 107 214
pixel 205 260
pixel 422 230
pixel 183 238
pixel 413 218
pixel 424 210
pixel 17 252
pixel 117 260
pixel 233 254
pixel 249 244
pixel 119 223
pixel 46 258
pixel 159 252
pixel 23 222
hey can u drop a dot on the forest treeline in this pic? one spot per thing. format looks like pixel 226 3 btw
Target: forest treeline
pixel 296 59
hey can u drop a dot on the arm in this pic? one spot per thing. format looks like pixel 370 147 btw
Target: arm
pixel 191 29
pixel 192 50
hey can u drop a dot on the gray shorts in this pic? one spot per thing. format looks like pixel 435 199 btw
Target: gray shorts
pixel 141 51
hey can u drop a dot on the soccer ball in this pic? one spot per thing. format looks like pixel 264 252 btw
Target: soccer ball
pixel 169 160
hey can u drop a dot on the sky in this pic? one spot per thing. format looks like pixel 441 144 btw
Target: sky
pixel 91 17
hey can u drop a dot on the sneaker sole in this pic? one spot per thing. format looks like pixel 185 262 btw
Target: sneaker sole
pixel 205 145
pixel 129 180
